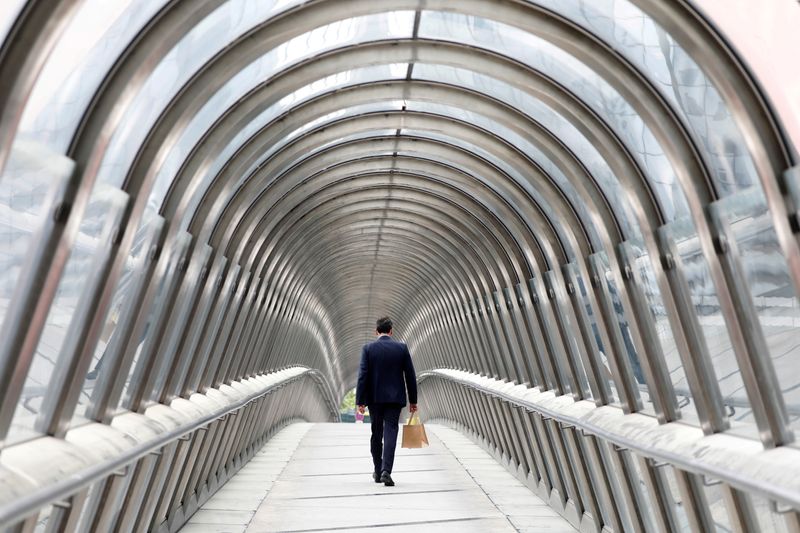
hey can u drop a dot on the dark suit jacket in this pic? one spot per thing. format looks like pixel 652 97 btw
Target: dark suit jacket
pixel 384 363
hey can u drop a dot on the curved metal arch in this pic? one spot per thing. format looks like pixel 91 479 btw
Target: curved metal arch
pixel 311 217
pixel 330 132
pixel 581 117
pixel 639 341
pixel 348 262
pixel 516 195
pixel 433 241
pixel 445 234
pixel 481 293
pixel 557 275
pixel 350 171
pixel 293 261
pixel 452 260
pixel 311 110
pixel 486 62
pixel 460 276
pixel 261 229
pixel 573 39
pixel 450 275
pixel 589 197
pixel 679 148
pixel 452 289
pixel 456 282
pixel 23 53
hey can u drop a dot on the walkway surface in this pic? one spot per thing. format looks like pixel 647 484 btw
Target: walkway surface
pixel 317 478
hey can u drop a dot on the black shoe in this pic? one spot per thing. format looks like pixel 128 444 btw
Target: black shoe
pixel 386 479
pixel 377 477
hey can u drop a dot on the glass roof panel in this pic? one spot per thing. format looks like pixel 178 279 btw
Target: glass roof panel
pixel 551 120
pixel 500 130
pixel 526 147
pixel 97 35
pixel 341 79
pixel 442 136
pixel 213 33
pixel 573 74
pixel 677 76
pixel 523 181
pixel 9 9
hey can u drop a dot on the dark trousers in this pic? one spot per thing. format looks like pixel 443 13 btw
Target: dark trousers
pixel 385 418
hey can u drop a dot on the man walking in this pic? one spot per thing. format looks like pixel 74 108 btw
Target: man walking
pixel 384 364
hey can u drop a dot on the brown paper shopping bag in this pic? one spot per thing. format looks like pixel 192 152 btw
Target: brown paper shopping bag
pixel 414 433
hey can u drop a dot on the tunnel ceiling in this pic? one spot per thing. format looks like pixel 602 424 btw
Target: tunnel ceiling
pixel 326 163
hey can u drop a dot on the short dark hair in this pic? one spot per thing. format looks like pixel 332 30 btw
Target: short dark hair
pixel 384 325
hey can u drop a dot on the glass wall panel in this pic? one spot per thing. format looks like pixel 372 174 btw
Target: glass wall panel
pixel 162 282
pixel 28 183
pixel 98 33
pixel 678 78
pixel 189 56
pixel 716 504
pixel 129 282
pixel 577 77
pixel 773 293
pixel 664 330
pixel 550 120
pixel 605 370
pixel 9 9
pixel 620 321
pixel 100 218
pixel 675 496
pixel 769 516
pixel 709 315
pixel 335 81
pixel 41 521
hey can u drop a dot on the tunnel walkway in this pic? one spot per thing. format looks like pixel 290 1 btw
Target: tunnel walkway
pixel 582 217
pixel 316 477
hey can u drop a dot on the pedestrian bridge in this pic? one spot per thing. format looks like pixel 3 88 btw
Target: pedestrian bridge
pixel 316 477
pixel 583 217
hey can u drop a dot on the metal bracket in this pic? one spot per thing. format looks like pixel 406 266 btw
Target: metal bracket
pixel 657 464
pixel 61 212
pixel 791 187
pixel 775 508
pixel 708 483
pixel 667 261
pixel 721 244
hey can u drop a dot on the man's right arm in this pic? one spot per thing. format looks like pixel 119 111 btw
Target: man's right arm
pixel 363 375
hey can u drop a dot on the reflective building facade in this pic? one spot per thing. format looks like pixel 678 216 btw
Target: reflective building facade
pixel 582 215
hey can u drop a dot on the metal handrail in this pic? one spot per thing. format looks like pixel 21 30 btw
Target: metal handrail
pixel 21 508
pixel 773 473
